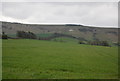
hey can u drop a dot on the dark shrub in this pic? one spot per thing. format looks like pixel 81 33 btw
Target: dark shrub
pixel 4 36
pixel 29 35
pixel 82 42
pixel 99 43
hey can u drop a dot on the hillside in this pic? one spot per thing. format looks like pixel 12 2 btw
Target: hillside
pixel 79 31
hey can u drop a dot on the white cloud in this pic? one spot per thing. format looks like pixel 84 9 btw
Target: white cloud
pixel 96 14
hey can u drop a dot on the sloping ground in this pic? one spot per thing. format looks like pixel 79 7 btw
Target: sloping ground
pixel 36 59
pixel 65 39
pixel 84 32
pixel 44 35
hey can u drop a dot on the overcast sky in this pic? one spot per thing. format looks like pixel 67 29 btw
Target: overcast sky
pixel 103 14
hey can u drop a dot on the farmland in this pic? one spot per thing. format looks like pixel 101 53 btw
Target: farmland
pixel 40 59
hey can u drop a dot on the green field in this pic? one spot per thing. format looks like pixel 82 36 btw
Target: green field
pixel 11 35
pixel 36 59
pixel 44 35
pixel 65 39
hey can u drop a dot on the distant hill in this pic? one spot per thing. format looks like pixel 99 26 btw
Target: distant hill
pixel 79 31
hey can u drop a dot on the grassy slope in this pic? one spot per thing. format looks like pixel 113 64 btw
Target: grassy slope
pixel 11 35
pixel 66 39
pixel 44 35
pixel 44 59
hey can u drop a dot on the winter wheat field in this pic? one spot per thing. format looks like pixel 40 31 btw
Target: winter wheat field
pixel 35 59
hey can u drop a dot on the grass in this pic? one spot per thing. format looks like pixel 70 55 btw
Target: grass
pixel 44 35
pixel 66 39
pixel 36 59
pixel 11 35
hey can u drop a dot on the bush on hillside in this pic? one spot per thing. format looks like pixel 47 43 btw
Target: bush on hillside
pixel 82 42
pixel 29 35
pixel 99 43
pixel 4 36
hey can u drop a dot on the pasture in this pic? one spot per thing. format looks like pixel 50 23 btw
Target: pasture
pixel 39 59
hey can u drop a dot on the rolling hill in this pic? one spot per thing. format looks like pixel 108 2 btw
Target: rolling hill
pixel 79 31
